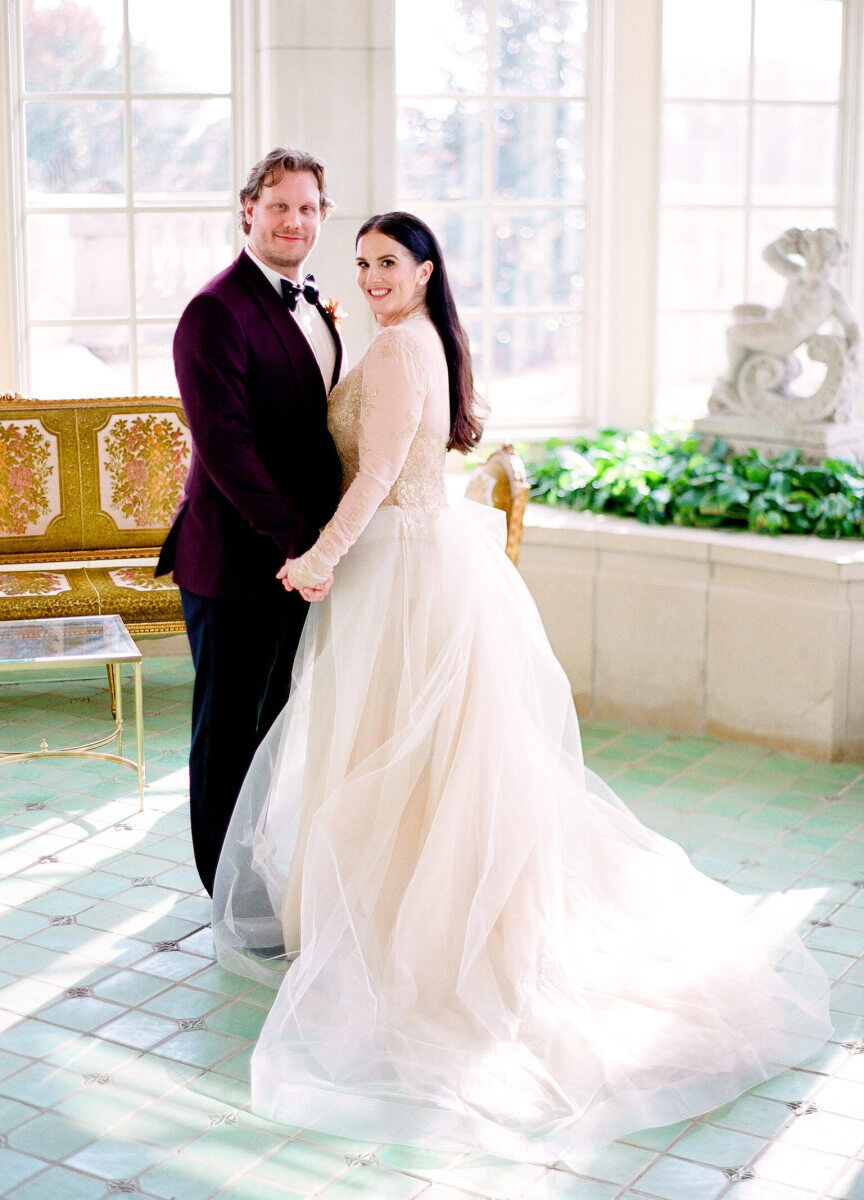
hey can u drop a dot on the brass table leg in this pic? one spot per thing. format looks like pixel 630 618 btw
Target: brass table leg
pixel 139 731
pixel 112 688
pixel 117 702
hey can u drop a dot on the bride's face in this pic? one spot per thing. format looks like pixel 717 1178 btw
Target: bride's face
pixel 389 276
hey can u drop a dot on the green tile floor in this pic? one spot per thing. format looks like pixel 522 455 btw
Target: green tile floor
pixel 124 1049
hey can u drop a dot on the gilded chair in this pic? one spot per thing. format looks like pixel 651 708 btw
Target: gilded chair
pixel 501 482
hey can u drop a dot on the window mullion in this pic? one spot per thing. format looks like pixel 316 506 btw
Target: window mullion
pixel 850 218
pixel 749 151
pixel 130 214
pixel 18 293
pixel 488 200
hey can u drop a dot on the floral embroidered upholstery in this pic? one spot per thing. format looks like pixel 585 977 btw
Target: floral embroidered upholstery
pixel 32 583
pixel 29 496
pixel 83 484
pixel 142 466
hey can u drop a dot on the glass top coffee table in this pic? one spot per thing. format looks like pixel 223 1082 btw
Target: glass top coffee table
pixel 58 642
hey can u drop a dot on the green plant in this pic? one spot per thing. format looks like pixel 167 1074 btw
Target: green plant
pixel 663 478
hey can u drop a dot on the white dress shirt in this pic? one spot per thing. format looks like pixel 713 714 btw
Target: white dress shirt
pixel 310 322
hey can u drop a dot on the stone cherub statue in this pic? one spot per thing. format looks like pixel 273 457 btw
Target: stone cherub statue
pixel 762 342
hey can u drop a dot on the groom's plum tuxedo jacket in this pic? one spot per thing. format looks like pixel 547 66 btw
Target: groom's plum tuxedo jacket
pixel 264 475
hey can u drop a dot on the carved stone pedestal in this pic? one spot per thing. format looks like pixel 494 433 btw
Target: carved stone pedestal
pixel 758 410
pixel 753 404
pixel 824 439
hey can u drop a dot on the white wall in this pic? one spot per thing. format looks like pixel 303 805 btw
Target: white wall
pixel 325 80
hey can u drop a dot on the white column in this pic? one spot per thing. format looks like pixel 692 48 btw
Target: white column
pixel 326 82
pixel 626 393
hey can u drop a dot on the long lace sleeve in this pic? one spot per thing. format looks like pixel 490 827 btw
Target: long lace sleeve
pixel 391 404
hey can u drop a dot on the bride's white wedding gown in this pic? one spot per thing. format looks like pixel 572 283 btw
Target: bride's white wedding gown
pixel 488 949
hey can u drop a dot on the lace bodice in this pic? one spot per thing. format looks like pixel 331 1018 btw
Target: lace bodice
pixel 390 420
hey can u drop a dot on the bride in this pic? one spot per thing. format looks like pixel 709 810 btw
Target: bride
pixel 486 948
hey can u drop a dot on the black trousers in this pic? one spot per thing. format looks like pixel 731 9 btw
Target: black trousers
pixel 243 652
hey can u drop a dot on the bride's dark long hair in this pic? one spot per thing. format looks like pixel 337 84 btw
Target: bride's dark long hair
pixel 418 239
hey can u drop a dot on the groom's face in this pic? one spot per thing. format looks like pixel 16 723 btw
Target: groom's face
pixel 285 221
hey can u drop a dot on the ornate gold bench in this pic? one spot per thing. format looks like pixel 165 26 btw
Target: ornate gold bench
pixel 87 492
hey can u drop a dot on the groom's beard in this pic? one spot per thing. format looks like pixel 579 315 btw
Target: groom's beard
pixel 283 256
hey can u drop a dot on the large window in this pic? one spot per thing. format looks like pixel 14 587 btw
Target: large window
pixel 123 120
pixel 491 152
pixel 750 136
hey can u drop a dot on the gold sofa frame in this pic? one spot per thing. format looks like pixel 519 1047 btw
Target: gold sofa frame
pixel 501 481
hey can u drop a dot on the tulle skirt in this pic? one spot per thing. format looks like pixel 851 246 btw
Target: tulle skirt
pixel 485 948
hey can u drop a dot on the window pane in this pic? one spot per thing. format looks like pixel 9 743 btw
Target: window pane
pixel 73 47
pixel 766 225
pixel 175 254
pixel 691 354
pixel 702 264
pixel 540 48
pixel 442 47
pixel 460 234
pixel 538 258
pixel 536 369
pixel 155 362
pixel 794 155
pixel 182 146
pixel 475 327
pixel 78 266
pixel 180 45
pixel 80 360
pixel 74 148
pixel 540 150
pixel 704 157
pixel 441 151
pixel 706 48
pixel 798 49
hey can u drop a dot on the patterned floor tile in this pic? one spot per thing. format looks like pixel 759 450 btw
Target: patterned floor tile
pixel 200 1047
pixel 799 1166
pixel 849 1185
pixel 367 1181
pixel 183 1178
pixel 674 1179
pixel 60 1182
pixel 165 1123
pixel 40 1084
pixel 719 1147
pixel 59 1134
pixel 301 1167
pixel 554 1185
pixel 172 1121
pixel 15 1167
pixel 115 1158
pixel 618 1163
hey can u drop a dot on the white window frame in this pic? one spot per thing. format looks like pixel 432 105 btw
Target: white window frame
pixel 574 413
pixel 244 124
pixel 850 144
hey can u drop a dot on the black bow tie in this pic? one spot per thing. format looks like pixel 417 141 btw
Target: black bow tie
pixel 291 291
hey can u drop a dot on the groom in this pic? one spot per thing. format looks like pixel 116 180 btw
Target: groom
pixel 255 354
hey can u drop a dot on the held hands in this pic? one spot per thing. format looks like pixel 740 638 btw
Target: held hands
pixel 311 592
pixel 317 593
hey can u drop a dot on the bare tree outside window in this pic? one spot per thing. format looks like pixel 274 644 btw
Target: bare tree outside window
pixel 127 191
pixel 491 119
pixel 750 127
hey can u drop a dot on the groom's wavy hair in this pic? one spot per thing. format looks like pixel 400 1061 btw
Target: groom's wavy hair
pixel 270 170
pixel 466 423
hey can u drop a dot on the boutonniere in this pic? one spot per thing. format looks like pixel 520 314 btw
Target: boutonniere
pixel 335 311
